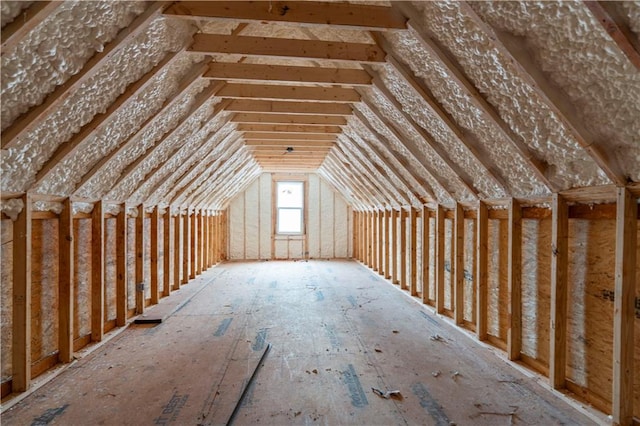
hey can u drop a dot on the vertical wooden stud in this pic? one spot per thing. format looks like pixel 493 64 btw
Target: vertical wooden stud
pixel 186 245
pixel 355 235
pixel 458 267
pixel 514 265
pixel 394 247
pixel 121 267
pixel 425 255
pixel 195 240
pixel 97 272
pixel 140 255
pixel 482 262
pixel 178 250
pixel 167 248
pixel 413 241
pixel 623 319
pixel 376 240
pixel 381 242
pixel 65 283
pixel 21 350
pixel 403 250
pixel 439 272
pixel 559 289
pixel 387 245
pixel 155 255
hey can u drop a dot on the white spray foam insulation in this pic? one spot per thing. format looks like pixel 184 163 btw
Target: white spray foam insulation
pixel 59 48
pixel 577 53
pixel 200 172
pixel 365 165
pixel 125 122
pixel 82 207
pixel 20 164
pixel 47 206
pixel 185 130
pixel 632 14
pixel 442 195
pixel 338 185
pixel 178 164
pixel 161 124
pixel 9 10
pixel 11 207
pixel 421 113
pixel 516 103
pixel 381 162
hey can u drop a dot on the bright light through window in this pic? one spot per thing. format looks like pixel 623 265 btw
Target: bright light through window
pixel 290 204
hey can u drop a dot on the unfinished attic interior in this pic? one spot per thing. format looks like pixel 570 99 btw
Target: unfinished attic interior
pixel 446 194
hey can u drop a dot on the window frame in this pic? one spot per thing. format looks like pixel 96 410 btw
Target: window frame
pixel 301 209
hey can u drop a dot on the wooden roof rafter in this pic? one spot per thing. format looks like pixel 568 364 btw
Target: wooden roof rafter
pixel 250 173
pixel 341 15
pixel 339 187
pixel 335 166
pixel 554 97
pixel 328 168
pixel 62 92
pixel 224 175
pixel 185 84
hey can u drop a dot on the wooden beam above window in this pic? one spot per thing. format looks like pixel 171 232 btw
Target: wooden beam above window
pixel 358 16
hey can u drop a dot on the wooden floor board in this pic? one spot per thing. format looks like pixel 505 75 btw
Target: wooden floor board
pixel 336 330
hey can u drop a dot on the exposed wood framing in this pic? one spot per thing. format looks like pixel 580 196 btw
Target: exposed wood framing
pixel 288 128
pixel 21 338
pixel 168 248
pixel 284 92
pixel 623 318
pixel 394 245
pixel 425 261
pixel 555 98
pixel 178 252
pixel 403 250
pixel 413 242
pixel 357 16
pixel 458 264
pixel 439 264
pixel 193 244
pixel 97 272
pixel 140 255
pixel 121 267
pixel 514 336
pixel 482 264
pixel 62 92
pixel 65 282
pixel 286 48
pixel 308 120
pixel 387 244
pixel 186 246
pixel 155 254
pixel 27 20
pixel 381 267
pixel 289 107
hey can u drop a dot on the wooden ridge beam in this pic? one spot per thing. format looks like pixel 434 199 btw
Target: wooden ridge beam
pixel 229 71
pixel 619 32
pixel 66 149
pixel 357 16
pixel 282 92
pixel 288 128
pixel 555 98
pixel 186 83
pixel 62 92
pixel 286 48
pixel 27 20
pixel 307 120
pixel 284 107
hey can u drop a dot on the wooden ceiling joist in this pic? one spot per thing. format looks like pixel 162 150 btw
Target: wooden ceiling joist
pixel 619 32
pixel 555 98
pixel 286 48
pixel 289 136
pixel 62 92
pixel 285 149
pixel 185 84
pixel 66 149
pixel 270 144
pixel 281 92
pixel 282 73
pixel 284 107
pixel 307 120
pixel 288 128
pixel 26 21
pixel 355 16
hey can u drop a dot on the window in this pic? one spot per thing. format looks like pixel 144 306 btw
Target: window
pixel 290 207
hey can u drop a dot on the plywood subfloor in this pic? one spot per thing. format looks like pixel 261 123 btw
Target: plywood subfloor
pixel 336 332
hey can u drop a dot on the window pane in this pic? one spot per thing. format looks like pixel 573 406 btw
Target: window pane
pixel 290 221
pixel 290 194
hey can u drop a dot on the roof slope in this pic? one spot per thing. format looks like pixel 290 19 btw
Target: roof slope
pixel 185 103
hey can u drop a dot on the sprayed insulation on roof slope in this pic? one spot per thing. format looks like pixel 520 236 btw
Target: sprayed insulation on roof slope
pixel 9 10
pixel 578 54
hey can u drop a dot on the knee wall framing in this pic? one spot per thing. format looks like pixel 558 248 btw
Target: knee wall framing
pixel 541 284
pixel 60 291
